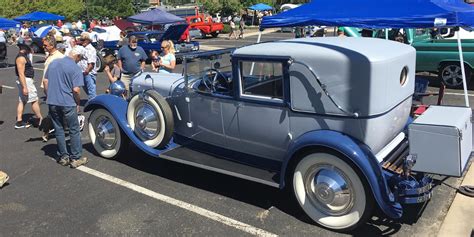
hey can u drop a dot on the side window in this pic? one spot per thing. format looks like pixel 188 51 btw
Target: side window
pixel 263 80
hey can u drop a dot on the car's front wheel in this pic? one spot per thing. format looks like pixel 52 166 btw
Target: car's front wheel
pixel 151 118
pixel 331 192
pixel 105 134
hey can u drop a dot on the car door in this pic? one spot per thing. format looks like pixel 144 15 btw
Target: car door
pixel 263 120
pixel 206 109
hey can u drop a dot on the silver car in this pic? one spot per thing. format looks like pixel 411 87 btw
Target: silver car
pixel 324 116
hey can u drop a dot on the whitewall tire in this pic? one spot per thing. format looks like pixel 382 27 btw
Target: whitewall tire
pixel 331 192
pixel 151 118
pixel 105 134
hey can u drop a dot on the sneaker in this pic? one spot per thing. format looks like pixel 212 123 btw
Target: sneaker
pixel 81 119
pixel 21 124
pixel 78 162
pixel 3 178
pixel 45 137
pixel 64 161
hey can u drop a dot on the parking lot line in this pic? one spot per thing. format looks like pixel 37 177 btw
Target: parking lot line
pixel 184 205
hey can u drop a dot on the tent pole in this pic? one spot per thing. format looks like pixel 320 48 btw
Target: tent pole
pixel 258 41
pixel 461 59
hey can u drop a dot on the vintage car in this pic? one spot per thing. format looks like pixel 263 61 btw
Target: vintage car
pixel 327 117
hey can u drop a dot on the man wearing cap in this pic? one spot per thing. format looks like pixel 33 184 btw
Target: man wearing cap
pixel 49 45
pixel 62 84
pixel 131 61
pixel 87 65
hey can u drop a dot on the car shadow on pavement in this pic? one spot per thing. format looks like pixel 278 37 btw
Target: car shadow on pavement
pixel 252 193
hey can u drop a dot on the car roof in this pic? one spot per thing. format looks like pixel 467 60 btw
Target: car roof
pixel 373 49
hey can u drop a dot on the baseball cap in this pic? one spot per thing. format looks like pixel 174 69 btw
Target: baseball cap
pixel 60 46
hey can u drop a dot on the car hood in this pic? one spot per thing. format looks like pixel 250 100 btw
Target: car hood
pixel 174 32
pixel 163 83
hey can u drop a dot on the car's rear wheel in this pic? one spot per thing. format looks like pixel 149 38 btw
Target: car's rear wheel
pixel 151 118
pixel 450 74
pixel 106 136
pixel 331 192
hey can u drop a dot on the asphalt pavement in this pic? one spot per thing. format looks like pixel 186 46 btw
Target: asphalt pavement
pixel 138 195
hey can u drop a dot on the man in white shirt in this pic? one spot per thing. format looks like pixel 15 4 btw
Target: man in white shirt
pixel 87 64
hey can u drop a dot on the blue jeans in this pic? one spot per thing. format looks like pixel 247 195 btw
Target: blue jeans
pixel 89 85
pixel 59 116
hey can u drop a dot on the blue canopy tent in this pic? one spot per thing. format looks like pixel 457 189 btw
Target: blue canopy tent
pixel 376 14
pixel 8 24
pixel 260 7
pixel 155 17
pixel 39 16
pixel 379 14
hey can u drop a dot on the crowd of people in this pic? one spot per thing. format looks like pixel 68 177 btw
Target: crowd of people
pixel 70 67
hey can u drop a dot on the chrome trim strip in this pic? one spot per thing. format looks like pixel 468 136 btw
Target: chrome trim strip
pixel 389 147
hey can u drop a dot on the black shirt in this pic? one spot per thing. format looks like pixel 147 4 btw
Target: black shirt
pixel 29 71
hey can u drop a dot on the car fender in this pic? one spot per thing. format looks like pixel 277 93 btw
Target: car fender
pixel 454 60
pixel 358 153
pixel 118 108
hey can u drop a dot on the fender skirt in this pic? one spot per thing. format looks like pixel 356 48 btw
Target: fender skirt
pixel 118 108
pixel 360 155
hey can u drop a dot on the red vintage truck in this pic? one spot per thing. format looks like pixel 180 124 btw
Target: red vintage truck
pixel 205 24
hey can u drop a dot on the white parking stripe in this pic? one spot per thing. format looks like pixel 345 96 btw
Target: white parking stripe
pixel 189 207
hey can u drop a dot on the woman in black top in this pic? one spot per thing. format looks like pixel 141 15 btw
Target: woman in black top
pixel 27 92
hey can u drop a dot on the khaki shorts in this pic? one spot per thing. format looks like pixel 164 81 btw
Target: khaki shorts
pixel 32 93
pixel 126 79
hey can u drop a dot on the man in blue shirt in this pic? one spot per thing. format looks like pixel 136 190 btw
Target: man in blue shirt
pixel 62 83
pixel 131 61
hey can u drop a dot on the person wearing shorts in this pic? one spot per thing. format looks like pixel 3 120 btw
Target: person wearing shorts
pixel 27 92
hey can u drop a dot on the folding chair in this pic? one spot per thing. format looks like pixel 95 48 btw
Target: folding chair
pixel 421 86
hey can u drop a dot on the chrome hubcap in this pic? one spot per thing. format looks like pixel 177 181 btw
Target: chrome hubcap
pixel 452 75
pixel 105 132
pixel 329 189
pixel 146 121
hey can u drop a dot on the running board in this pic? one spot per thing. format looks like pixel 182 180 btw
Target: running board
pixel 188 156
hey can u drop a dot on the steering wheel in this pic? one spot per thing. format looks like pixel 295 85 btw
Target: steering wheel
pixel 211 83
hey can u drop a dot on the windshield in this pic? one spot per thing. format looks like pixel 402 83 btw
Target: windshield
pixel 201 64
pixel 154 37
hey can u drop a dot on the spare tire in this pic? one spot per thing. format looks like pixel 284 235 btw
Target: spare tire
pixel 151 118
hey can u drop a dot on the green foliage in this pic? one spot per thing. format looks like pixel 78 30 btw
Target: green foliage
pixel 212 6
pixel 230 7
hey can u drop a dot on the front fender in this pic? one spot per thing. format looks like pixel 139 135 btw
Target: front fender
pixel 359 154
pixel 118 108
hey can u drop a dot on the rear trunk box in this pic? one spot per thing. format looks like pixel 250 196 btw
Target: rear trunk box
pixel 441 140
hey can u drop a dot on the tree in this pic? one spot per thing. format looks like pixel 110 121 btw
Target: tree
pixel 230 7
pixel 211 6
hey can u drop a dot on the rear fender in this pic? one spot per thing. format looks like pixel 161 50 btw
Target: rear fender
pixel 357 153
pixel 118 108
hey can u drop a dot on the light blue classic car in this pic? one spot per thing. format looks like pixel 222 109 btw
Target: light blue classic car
pixel 328 117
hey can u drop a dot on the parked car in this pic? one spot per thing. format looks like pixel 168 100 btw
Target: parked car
pixel 151 40
pixel 205 24
pixel 328 117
